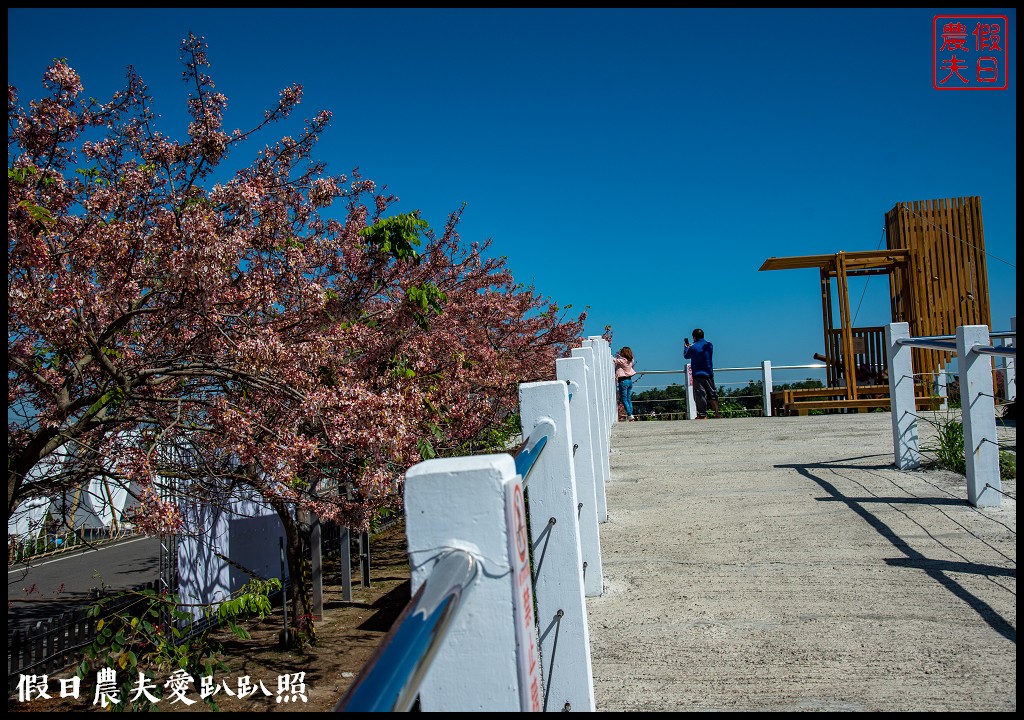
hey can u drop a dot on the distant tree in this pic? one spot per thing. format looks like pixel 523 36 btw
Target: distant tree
pixel 808 384
pixel 660 402
pixel 671 401
pixel 172 326
pixel 749 399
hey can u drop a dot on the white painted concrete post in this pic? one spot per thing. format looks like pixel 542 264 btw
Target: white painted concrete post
pixel 942 388
pixel 1010 364
pixel 605 373
pixel 574 372
pixel 605 359
pixel 766 386
pixel 557 558
pixel 902 404
pixel 691 401
pixel 486 662
pixel 605 377
pixel 979 417
pixel 598 433
pixel 594 362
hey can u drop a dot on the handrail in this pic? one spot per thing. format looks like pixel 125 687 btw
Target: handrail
pixel 527 454
pixel 811 366
pixel 1005 351
pixel 997 334
pixel 390 680
pixel 933 343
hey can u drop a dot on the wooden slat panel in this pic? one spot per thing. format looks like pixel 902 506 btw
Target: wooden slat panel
pixel 933 299
pixel 945 239
pixel 976 234
pixel 954 264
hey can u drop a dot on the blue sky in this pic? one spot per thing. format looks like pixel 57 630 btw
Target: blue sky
pixel 642 163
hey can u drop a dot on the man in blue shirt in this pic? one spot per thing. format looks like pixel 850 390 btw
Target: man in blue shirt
pixel 701 364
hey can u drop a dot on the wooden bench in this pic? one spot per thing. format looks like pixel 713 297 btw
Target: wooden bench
pixel 803 400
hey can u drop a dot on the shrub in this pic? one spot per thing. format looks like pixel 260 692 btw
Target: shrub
pixel 949 454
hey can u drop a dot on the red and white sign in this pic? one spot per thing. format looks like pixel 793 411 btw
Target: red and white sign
pixel 527 646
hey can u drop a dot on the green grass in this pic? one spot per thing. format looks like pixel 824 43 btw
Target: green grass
pixel 947 449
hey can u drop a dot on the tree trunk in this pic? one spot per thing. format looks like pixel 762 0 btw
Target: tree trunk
pixel 296 539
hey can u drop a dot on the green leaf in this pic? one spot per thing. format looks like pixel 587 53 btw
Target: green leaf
pixel 113 397
pixel 20 175
pixel 425 448
pixel 397 235
pixel 428 298
pixel 37 212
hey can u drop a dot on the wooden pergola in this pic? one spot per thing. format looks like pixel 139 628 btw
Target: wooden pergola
pixel 938 279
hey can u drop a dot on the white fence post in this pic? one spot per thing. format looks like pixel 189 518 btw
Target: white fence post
pixel 766 386
pixel 595 364
pixel 574 372
pixel 902 403
pixel 605 374
pixel 598 429
pixel 557 559
pixel 475 504
pixel 691 401
pixel 977 401
pixel 942 388
pixel 1010 366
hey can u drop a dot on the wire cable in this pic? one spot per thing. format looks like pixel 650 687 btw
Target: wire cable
pixel 955 237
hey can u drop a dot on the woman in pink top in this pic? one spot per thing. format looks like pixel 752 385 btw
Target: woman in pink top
pixel 624 373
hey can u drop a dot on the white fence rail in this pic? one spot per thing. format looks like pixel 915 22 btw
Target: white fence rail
pixel 977 401
pixel 765 369
pixel 528 526
pixel 504 549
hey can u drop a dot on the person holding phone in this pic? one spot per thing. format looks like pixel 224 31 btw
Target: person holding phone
pixel 701 357
pixel 624 373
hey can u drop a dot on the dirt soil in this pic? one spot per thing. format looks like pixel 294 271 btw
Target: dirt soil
pixel 346 638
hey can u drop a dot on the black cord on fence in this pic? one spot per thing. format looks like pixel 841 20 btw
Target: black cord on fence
pixel 1000 491
pixel 554 648
pixel 547 540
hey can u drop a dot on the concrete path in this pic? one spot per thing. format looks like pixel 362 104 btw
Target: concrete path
pixel 784 564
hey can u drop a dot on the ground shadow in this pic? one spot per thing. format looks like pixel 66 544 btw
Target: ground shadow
pixel 388 607
pixel 935 569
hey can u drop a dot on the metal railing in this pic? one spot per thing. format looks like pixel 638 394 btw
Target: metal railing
pixel 756 368
pixel 527 454
pixel 767 385
pixel 977 403
pixel 391 679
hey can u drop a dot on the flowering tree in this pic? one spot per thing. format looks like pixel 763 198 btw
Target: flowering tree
pixel 173 326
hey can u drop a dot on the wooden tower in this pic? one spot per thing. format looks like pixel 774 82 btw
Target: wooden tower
pixel 938 279
pixel 946 282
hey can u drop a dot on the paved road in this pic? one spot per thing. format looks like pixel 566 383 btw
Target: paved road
pixel 58 584
pixel 784 564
